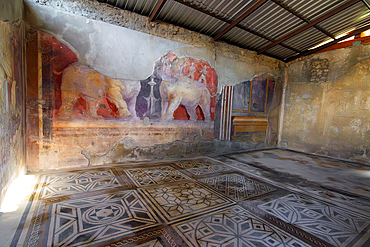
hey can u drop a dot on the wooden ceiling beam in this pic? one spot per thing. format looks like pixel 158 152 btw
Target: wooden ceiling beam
pixel 240 18
pixel 309 52
pixel 156 10
pixel 310 24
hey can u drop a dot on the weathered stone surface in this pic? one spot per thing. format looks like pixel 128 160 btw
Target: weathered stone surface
pixel 12 146
pixel 129 151
pixel 319 70
pixel 330 118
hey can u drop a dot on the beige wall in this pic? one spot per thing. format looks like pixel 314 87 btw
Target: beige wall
pixel 329 115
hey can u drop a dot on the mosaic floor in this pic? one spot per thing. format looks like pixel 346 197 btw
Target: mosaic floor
pixel 199 202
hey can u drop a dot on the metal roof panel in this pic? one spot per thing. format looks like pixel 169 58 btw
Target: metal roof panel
pixel 280 51
pixel 272 20
pixel 245 39
pixel 347 20
pixel 306 39
pixel 312 9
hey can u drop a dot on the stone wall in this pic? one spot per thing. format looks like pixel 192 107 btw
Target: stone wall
pixel 327 104
pixel 12 149
pixel 118 44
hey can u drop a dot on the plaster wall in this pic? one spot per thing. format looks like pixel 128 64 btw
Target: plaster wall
pixel 327 104
pixel 102 46
pixel 12 149
pixel 123 45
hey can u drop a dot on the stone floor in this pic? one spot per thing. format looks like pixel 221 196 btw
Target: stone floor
pixel 265 198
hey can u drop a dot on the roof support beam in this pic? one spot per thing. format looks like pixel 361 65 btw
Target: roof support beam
pixel 240 18
pixel 367 5
pixel 310 24
pixel 156 10
pixel 303 18
pixel 309 52
pixel 229 22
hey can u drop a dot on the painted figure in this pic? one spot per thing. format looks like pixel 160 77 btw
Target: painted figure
pixel 181 72
pixel 79 80
pixel 188 92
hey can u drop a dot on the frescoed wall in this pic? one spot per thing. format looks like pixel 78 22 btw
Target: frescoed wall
pixel 117 91
pixel 85 109
pixel 179 89
pixel 251 103
pixel 12 112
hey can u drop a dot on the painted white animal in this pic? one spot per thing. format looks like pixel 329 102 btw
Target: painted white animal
pixel 188 92
pixel 79 79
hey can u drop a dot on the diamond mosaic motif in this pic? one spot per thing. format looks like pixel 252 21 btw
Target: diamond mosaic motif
pixel 335 225
pixel 81 181
pixel 181 200
pixel 233 227
pixel 99 219
pixel 155 175
pixel 202 167
pixel 237 186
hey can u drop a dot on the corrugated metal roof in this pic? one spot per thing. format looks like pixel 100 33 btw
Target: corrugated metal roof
pixel 272 21
pixel 143 7
pixel 240 37
pixel 306 39
pixel 347 20
pixel 266 24
pixel 181 15
pixel 279 51
pixel 311 9
pixel 228 9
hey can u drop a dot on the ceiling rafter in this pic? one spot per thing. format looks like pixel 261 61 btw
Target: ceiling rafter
pixel 367 5
pixel 157 9
pixel 240 18
pixel 310 24
pixel 238 25
pixel 309 52
pixel 303 18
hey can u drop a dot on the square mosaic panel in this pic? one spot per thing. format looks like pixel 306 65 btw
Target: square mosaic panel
pixel 154 175
pixel 237 186
pixel 82 181
pixel 202 167
pixel 338 226
pixel 182 200
pixel 94 220
pixel 234 226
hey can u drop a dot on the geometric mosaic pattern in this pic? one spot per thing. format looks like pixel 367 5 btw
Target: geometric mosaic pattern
pixel 233 227
pixel 96 219
pixel 158 205
pixel 237 186
pixel 181 200
pixel 154 175
pixel 79 182
pixel 202 167
pixel 335 225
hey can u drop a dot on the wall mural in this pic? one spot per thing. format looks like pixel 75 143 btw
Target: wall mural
pixel 180 88
pixel 82 86
pixel 253 97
